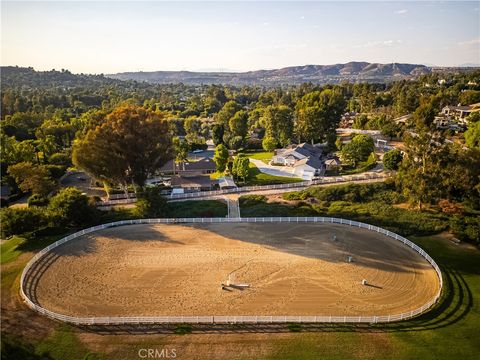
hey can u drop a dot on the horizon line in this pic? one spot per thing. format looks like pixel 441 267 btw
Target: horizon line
pixel 226 71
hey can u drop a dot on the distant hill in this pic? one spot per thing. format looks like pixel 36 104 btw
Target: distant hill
pixel 352 71
pixel 27 77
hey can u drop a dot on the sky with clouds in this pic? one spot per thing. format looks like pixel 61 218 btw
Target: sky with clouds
pixel 107 37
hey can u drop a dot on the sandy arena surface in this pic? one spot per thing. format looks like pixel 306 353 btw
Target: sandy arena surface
pixel 292 269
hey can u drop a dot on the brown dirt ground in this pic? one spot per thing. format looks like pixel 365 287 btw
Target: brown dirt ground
pixel 293 269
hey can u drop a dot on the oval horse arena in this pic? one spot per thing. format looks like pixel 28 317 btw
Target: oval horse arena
pixel 232 270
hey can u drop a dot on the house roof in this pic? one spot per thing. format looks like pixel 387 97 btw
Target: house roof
pixel 203 164
pixel 313 150
pixel 226 181
pixel 192 181
pixel 304 149
pixel 313 162
pixel 200 165
pixel 472 107
pixel 333 161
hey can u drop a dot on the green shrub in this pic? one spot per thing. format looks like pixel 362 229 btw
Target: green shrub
pixel 17 221
pixel 466 228
pixel 56 171
pixel 69 207
pixel 151 204
pixel 37 200
pixel 392 159
pixel 402 221
pixel 249 200
pixel 349 192
pixel 60 159
pixel 296 195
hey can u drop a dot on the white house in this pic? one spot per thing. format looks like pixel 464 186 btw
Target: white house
pixel 460 112
pixel 306 160
pixel 290 156
pixel 308 168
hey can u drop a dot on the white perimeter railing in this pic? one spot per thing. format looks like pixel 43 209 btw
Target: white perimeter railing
pixel 228 319
pixel 300 184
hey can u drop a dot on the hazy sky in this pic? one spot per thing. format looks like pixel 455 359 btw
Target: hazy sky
pixel 106 37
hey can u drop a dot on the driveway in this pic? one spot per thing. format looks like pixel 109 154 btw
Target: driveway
pixel 82 182
pixel 284 171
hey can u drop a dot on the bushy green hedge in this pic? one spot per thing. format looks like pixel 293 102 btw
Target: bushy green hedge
pixel 37 200
pixel 70 208
pixel 369 203
pixel 466 228
pixel 151 204
pixel 17 221
pixel 382 192
pixel 249 200
pixel 402 221
pixel 56 171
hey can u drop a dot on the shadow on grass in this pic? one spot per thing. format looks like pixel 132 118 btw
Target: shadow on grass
pixel 455 303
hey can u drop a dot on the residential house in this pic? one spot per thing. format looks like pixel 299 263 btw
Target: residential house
pixel 189 168
pixel 333 164
pixel 289 156
pixel 306 159
pixel 459 112
pixel 308 168
pixel 192 183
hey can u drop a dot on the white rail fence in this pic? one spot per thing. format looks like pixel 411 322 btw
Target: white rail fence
pixel 24 281
pixel 301 184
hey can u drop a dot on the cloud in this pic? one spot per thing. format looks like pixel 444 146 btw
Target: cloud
pixel 266 23
pixel 302 17
pixel 470 42
pixel 402 11
pixel 383 43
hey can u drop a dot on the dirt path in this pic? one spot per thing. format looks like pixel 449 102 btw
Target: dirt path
pixel 233 206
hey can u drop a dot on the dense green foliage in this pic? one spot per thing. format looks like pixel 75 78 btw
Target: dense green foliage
pixel 392 159
pixel 69 207
pixel 357 150
pixel 241 166
pixel 130 144
pixel 21 220
pixel 472 135
pixel 151 204
pixel 107 122
pixel 375 203
pixel 221 158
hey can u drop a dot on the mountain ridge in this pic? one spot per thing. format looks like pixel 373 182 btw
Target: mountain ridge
pixel 351 71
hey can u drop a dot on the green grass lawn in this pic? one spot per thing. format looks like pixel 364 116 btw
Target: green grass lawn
pixel 264 156
pixel 256 177
pixel 197 208
pixel 9 249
